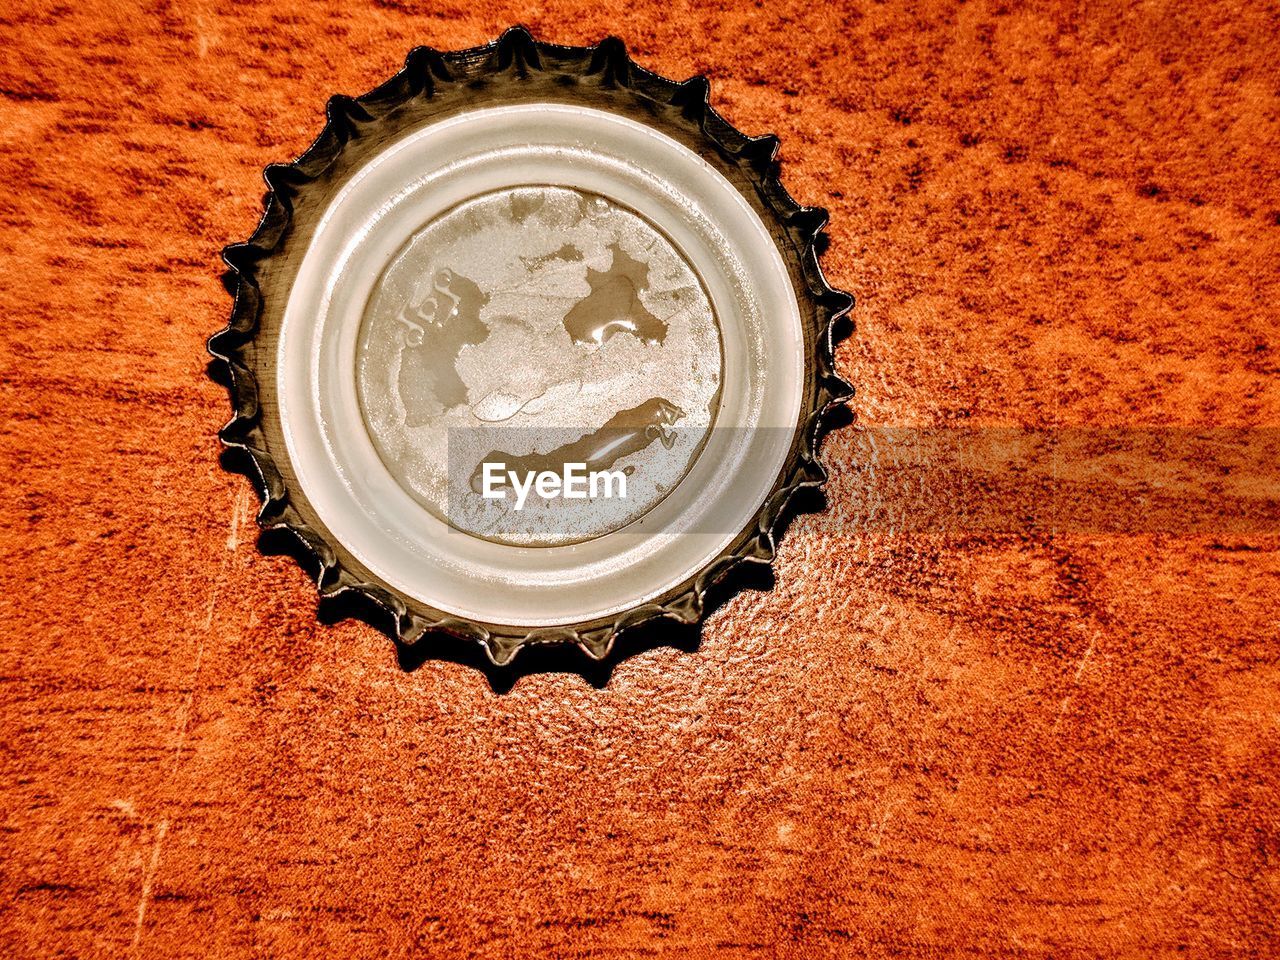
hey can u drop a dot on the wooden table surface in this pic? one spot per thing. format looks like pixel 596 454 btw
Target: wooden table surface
pixel 920 742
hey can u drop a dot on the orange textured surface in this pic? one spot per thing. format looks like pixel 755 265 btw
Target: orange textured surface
pixel 916 744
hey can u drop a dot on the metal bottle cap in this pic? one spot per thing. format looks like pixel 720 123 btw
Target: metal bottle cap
pixel 531 346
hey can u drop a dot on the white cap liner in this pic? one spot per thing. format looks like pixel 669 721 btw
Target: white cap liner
pixel 426 173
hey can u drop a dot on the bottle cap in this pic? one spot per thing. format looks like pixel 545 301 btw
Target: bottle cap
pixel 531 346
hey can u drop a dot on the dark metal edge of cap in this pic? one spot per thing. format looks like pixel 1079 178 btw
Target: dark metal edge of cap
pixel 516 53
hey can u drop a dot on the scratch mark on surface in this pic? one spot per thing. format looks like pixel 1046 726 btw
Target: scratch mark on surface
pixel 208 617
pixel 879 824
pixel 238 509
pixel 162 830
pixel 1075 681
pixel 1084 660
pixel 184 711
pixel 126 807
pixel 181 723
